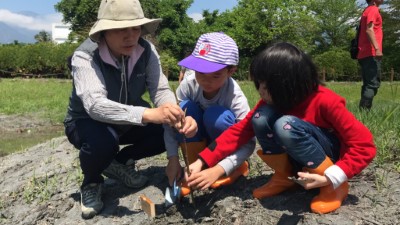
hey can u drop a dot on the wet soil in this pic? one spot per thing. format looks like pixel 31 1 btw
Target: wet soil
pixel 20 132
pixel 40 185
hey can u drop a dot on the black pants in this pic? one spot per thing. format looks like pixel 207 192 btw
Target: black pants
pixel 371 75
pixel 99 145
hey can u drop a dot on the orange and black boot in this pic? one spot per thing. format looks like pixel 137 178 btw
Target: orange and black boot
pixel 242 170
pixel 191 154
pixel 279 181
pixel 328 199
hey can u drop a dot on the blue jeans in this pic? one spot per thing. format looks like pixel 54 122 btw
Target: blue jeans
pixel 211 122
pixel 307 145
pixel 99 145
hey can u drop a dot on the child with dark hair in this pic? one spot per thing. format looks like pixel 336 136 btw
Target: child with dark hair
pixel 301 126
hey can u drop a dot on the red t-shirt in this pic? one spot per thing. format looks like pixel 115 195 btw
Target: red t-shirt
pixel 370 15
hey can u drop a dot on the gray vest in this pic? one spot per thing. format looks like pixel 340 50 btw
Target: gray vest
pixel 112 76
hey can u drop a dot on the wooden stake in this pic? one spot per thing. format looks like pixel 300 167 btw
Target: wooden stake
pixel 147 206
pixel 184 153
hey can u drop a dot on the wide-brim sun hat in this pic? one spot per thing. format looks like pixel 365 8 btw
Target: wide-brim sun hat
pixel 117 14
pixel 213 52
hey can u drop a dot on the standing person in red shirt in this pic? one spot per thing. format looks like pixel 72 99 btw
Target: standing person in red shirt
pixel 300 125
pixel 370 52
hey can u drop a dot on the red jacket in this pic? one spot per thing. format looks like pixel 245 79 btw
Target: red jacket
pixel 324 109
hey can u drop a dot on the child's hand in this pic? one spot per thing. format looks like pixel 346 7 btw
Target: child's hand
pixel 173 169
pixel 189 128
pixel 195 167
pixel 205 178
pixel 314 180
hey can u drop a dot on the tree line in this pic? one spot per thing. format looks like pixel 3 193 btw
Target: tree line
pixel 322 28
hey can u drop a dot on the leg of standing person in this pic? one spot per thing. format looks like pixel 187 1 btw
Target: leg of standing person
pixel 371 72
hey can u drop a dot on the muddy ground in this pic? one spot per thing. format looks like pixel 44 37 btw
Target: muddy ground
pixel 40 186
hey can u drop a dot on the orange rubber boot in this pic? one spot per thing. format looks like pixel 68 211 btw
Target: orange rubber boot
pixel 191 154
pixel 193 150
pixel 185 190
pixel 329 199
pixel 279 181
pixel 231 178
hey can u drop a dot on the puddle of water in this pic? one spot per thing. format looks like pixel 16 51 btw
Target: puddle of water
pixel 21 139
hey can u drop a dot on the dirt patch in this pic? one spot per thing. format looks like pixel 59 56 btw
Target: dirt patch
pixel 40 186
pixel 20 132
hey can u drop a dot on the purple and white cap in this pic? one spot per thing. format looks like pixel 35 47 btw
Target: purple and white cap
pixel 213 52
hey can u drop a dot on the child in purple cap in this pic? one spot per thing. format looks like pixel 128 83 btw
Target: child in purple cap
pixel 213 98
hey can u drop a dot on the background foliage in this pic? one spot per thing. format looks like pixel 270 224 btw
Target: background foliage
pixel 41 59
pixel 321 28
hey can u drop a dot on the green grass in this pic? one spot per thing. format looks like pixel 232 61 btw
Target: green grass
pixel 44 99
pixel 48 99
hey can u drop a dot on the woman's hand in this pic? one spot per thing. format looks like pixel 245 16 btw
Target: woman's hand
pixel 168 113
pixel 314 180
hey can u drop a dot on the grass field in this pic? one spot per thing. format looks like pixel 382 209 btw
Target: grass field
pixel 48 99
